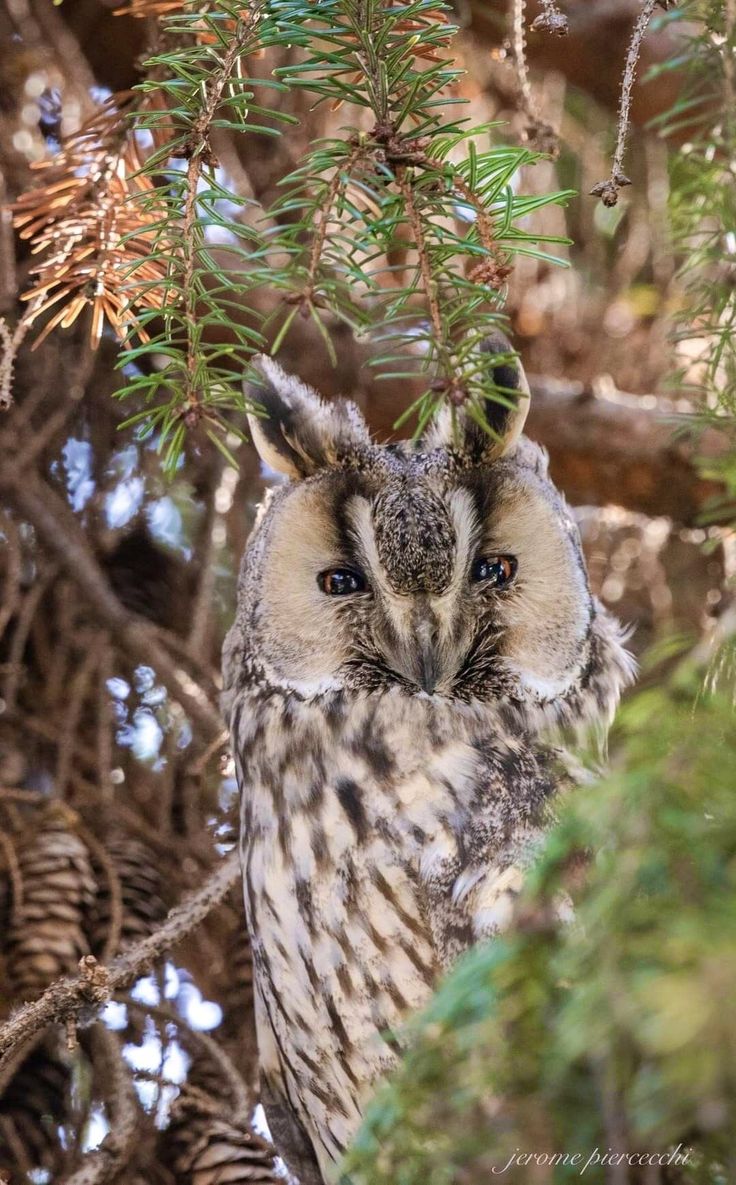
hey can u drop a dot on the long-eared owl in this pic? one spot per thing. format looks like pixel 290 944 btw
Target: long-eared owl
pixel 412 621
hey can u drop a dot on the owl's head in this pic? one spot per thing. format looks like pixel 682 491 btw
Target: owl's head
pixel 450 567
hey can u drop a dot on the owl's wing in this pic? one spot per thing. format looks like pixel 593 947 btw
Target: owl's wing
pixel 289 1137
pixel 490 903
pixel 476 867
pixel 488 893
pixel 467 900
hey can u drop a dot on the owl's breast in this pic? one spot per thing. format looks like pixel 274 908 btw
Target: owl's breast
pixel 359 863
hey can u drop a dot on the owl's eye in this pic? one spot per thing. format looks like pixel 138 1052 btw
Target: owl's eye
pixel 340 582
pixel 495 571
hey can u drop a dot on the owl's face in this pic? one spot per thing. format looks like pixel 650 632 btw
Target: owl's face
pixel 450 569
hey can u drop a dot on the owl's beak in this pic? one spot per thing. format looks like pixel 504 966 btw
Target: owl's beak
pixel 419 656
pixel 427 661
pixel 428 666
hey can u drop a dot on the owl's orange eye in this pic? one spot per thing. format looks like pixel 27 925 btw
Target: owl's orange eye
pixel 495 571
pixel 340 582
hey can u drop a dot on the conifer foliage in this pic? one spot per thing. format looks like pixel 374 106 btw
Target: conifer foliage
pixel 405 227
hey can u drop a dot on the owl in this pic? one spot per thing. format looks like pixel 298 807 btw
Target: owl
pixel 413 621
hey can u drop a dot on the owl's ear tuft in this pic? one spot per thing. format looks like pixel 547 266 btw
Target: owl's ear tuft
pixel 468 439
pixel 299 433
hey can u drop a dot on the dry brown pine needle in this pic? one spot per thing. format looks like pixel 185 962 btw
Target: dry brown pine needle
pixel 93 220
pixel 157 9
pixel 150 8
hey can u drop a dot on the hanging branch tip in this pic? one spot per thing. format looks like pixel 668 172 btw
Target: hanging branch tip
pixel 551 21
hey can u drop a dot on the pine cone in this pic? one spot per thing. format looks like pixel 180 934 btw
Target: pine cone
pixel 237 995
pixel 46 937
pixel 34 1106
pixel 204 1148
pixel 140 884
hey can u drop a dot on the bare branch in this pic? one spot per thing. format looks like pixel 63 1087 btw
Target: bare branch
pixel 96 983
pixel 115 1150
pixel 607 190
pixel 241 1098
pixel 621 453
pixel 539 132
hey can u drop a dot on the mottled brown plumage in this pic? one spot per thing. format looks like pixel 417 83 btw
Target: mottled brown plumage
pixel 391 742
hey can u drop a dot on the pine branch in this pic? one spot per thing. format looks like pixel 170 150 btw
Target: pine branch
pixel 199 153
pixel 348 208
pixel 396 183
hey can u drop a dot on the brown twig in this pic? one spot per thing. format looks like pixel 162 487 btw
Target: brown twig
pixel 15 1059
pixel 104 729
pixel 450 380
pixel 14 794
pixel 45 433
pixel 425 267
pixel 60 657
pixel 198 766
pixel 10 343
pixel 608 190
pixel 41 728
pixel 322 222
pixel 538 132
pixel 492 270
pixel 20 634
pixel 96 983
pixel 115 1150
pixel 240 1096
pixel 78 689
pixel 13 572
pixel 16 1146
pixel 199 152
pixel 8 270
pixel 518 46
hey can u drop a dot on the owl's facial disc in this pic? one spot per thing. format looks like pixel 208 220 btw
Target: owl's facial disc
pixel 463 584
